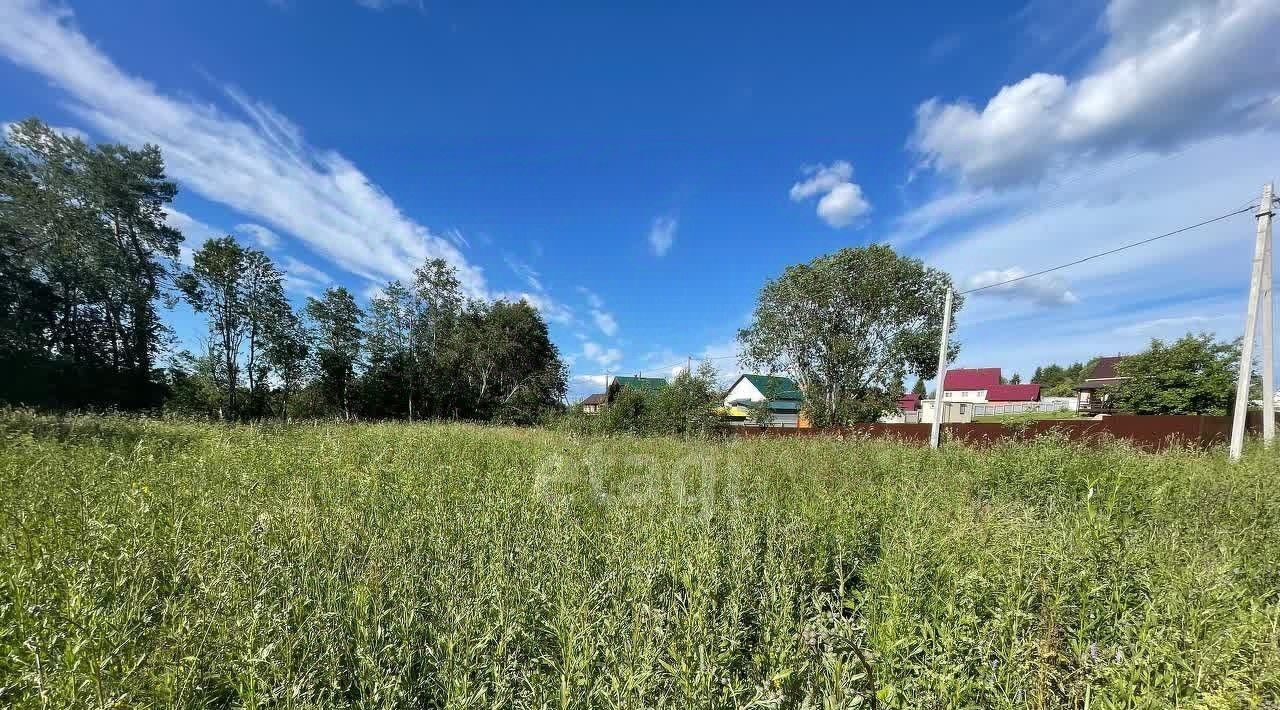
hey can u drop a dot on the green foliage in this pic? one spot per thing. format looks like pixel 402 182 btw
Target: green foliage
pixel 848 327
pixel 84 257
pixel 919 387
pixel 337 338
pixel 1193 375
pixel 1058 381
pixel 242 293
pixel 163 564
pixel 433 354
pixel 511 370
pixel 686 406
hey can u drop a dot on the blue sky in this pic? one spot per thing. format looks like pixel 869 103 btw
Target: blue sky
pixel 638 172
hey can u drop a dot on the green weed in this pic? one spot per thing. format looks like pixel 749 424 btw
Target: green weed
pixel 175 564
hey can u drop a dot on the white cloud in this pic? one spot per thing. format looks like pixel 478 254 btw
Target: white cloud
pixel 1041 290
pixel 1179 324
pixel 193 230
pixel 662 234
pixel 602 356
pixel 605 322
pixel 603 319
pixel 1171 72
pixel 524 271
pixel 597 380
pixel 842 201
pixel 265 238
pixel 1101 206
pixel 593 299
pixel 256 163
pixel 302 277
pixel 552 310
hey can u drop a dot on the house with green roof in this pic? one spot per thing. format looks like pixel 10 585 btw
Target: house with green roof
pixel 644 385
pixel 780 395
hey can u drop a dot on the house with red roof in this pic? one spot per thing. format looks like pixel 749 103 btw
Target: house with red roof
pixel 981 385
pixel 909 402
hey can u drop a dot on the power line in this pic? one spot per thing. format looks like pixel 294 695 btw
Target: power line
pixel 1251 207
pixel 1109 252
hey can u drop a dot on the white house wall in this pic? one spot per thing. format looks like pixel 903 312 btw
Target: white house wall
pixel 970 396
pixel 744 390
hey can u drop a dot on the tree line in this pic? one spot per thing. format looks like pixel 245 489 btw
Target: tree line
pixel 87 262
pixel 1061 380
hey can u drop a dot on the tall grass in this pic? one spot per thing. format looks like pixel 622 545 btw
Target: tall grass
pixel 171 564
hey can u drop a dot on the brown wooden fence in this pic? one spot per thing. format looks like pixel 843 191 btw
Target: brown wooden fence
pixel 1148 432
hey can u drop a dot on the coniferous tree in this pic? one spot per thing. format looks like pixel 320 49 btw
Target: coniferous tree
pixel 85 256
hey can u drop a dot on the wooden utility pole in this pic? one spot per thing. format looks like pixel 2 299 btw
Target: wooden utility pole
pixel 935 434
pixel 1261 255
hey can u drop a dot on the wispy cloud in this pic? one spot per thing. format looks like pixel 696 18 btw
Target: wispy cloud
pixel 662 234
pixel 304 278
pixel 256 162
pixel 194 233
pixel 593 380
pixel 602 356
pixel 551 309
pixel 603 319
pixel 524 271
pixel 842 202
pixel 1157 326
pixel 265 238
pixel 1041 290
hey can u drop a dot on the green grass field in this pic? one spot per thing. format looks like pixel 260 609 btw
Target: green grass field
pixel 168 564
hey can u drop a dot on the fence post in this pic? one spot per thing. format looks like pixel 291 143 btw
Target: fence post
pixel 935 434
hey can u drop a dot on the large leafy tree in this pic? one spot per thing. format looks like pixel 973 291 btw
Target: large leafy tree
pixel 240 290
pixel 437 304
pixel 393 378
pixel 512 370
pixel 1195 374
pixel 336 319
pixel 848 327
pixel 85 256
pixel 286 353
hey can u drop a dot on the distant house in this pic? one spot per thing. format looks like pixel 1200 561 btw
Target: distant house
pixel 646 385
pixel 594 403
pixel 909 402
pixel 779 394
pixel 980 385
pixel 970 384
pixel 1102 375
